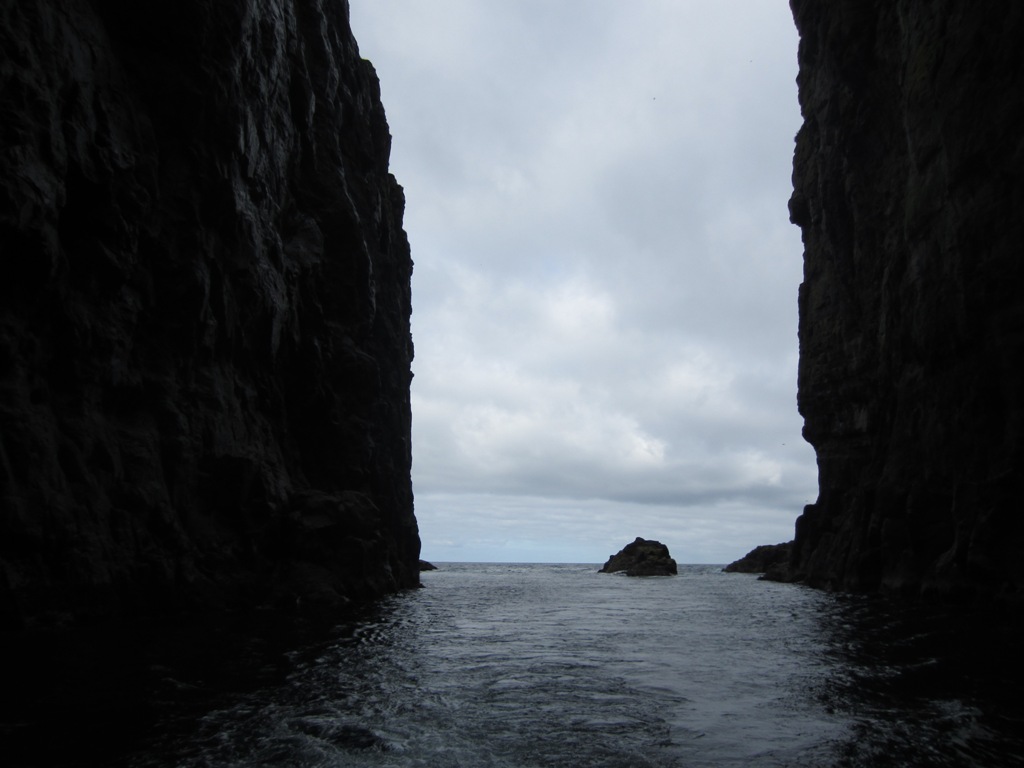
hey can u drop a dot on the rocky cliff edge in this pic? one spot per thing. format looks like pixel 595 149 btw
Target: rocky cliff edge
pixel 204 312
pixel 909 188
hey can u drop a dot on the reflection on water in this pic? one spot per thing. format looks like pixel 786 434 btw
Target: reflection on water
pixel 535 665
pixel 925 685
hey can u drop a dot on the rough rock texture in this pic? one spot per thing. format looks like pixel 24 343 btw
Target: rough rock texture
pixel 642 557
pixel 909 189
pixel 762 559
pixel 204 311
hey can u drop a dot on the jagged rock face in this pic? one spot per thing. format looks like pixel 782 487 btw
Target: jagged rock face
pixel 909 189
pixel 204 310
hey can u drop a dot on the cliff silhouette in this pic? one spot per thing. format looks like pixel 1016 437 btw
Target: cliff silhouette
pixel 204 312
pixel 908 187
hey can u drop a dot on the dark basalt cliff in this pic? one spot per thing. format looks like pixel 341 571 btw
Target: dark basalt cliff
pixel 204 311
pixel 909 189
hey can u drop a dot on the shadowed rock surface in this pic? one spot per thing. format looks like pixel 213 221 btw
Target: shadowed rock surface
pixel 761 559
pixel 204 312
pixel 642 557
pixel 909 188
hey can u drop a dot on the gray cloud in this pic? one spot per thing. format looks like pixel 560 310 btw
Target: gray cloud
pixel 605 286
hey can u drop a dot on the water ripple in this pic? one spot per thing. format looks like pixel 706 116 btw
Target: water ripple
pixel 498 665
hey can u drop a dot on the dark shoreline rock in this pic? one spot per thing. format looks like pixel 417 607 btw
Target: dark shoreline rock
pixel 908 186
pixel 204 313
pixel 642 557
pixel 425 566
pixel 761 559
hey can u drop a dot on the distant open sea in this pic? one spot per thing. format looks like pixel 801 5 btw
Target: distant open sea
pixel 557 665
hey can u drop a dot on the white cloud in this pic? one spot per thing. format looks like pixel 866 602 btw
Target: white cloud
pixel 605 286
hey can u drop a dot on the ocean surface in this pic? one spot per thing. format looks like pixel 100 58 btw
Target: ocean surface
pixel 557 665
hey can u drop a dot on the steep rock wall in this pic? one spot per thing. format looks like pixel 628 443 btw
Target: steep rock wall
pixel 909 189
pixel 204 311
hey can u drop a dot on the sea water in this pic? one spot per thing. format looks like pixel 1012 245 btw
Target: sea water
pixel 557 665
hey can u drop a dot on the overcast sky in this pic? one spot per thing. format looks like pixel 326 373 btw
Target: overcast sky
pixel 605 289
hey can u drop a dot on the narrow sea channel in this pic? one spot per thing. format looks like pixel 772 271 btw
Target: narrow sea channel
pixel 556 665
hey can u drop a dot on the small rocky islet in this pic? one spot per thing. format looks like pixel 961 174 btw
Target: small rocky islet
pixel 642 557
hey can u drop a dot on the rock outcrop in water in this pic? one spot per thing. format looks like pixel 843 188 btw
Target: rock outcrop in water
pixel 762 559
pixel 204 311
pixel 909 188
pixel 641 557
